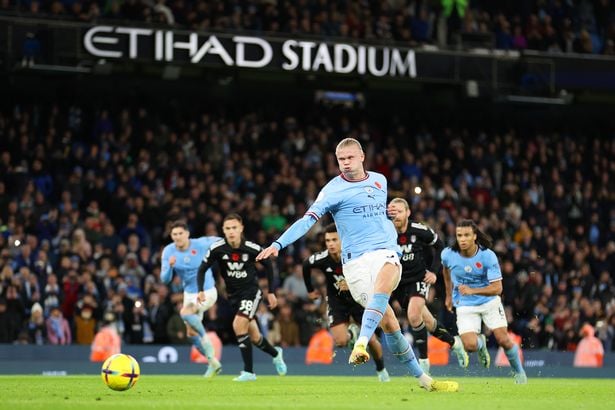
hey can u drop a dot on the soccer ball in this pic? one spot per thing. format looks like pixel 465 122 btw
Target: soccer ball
pixel 120 372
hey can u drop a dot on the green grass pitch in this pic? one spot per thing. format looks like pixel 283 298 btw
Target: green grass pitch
pixel 301 392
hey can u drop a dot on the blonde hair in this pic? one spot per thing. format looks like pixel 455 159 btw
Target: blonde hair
pixel 401 201
pixel 346 142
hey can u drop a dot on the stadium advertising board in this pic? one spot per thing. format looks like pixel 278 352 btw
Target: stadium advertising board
pixel 167 46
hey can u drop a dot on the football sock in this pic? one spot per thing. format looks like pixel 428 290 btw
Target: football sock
pixel 514 359
pixel 246 352
pixel 441 333
pixel 372 315
pixel 266 347
pixel 201 342
pixel 379 363
pixel 195 323
pixel 479 342
pixel 420 339
pixel 402 350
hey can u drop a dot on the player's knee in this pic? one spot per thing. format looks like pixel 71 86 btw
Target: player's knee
pixel 415 319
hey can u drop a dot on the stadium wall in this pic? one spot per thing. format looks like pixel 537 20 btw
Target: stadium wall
pixel 69 360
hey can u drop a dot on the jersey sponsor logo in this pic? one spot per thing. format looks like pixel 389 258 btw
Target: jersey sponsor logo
pixel 407 248
pixel 370 208
pixel 479 265
pixel 235 270
pixel 235 265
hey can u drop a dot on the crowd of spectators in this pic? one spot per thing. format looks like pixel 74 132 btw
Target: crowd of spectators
pixel 87 194
pixel 585 26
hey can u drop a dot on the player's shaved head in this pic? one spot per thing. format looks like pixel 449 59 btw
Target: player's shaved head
pixel 346 142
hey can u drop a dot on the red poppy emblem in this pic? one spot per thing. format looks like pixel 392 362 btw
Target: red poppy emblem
pixel 193 251
pixel 235 257
pixel 479 265
pixel 338 270
pixel 378 185
pixel 403 240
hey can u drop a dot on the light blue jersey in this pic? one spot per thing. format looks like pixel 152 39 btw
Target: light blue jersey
pixel 187 263
pixel 477 271
pixel 359 209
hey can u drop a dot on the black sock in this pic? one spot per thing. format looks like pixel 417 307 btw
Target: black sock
pixel 441 333
pixel 379 363
pixel 266 347
pixel 246 352
pixel 420 339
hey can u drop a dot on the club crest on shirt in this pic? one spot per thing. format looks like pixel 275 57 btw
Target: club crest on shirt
pixel 186 259
pixel 412 238
pixel 244 257
pixel 467 268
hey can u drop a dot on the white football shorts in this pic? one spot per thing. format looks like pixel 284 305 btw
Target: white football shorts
pixel 361 273
pixel 211 295
pixel 470 318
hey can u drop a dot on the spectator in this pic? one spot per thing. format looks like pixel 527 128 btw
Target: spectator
pixel 35 326
pixel 58 330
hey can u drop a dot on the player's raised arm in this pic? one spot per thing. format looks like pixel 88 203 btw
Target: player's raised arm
pixel 166 270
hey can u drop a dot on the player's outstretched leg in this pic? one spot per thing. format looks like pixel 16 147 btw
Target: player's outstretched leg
pixel 278 362
pixel 372 315
pixel 515 362
pixel 402 350
pixel 201 341
pixel 462 356
pixel 245 347
pixel 214 368
pixel 483 353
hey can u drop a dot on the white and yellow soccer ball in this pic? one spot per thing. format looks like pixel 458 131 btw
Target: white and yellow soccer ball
pixel 120 372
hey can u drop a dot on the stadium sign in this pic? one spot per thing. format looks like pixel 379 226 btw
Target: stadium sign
pixel 248 51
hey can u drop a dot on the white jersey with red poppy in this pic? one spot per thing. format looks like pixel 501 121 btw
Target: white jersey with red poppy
pixel 187 263
pixel 477 271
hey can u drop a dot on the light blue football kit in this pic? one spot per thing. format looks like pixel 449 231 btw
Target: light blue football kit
pixel 359 209
pixel 186 266
pixel 187 263
pixel 478 271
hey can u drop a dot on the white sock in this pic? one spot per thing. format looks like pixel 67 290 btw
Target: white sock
pixel 425 379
